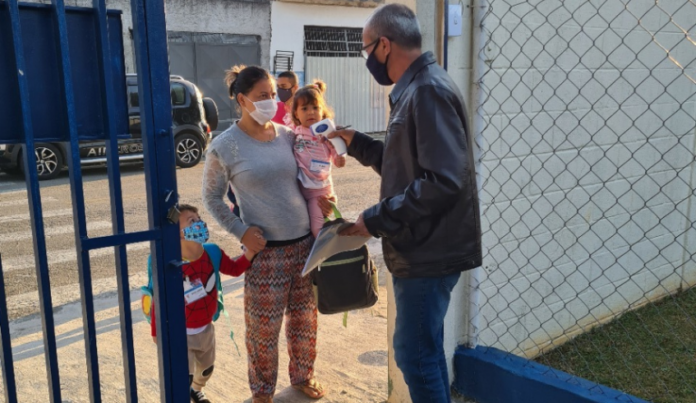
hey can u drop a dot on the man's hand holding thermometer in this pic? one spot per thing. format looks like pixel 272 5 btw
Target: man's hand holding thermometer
pixel 340 137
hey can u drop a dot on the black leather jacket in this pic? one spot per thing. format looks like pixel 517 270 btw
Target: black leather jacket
pixel 428 216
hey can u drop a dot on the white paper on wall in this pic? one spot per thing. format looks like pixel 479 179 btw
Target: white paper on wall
pixel 455 20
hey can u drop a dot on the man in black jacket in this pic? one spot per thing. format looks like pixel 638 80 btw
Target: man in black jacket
pixel 428 216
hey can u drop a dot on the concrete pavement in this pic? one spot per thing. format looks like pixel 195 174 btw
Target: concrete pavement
pixel 352 361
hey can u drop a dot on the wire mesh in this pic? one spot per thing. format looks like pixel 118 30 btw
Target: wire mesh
pixel 332 41
pixel 588 196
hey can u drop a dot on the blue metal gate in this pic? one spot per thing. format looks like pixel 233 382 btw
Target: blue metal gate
pixel 150 39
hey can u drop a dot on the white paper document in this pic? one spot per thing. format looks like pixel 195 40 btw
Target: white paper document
pixel 329 243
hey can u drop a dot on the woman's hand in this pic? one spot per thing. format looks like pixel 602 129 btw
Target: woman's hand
pixel 253 240
pixel 325 204
pixel 340 161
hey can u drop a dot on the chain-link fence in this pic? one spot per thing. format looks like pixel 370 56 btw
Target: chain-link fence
pixel 588 194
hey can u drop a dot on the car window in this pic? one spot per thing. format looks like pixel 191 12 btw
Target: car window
pixel 133 98
pixel 178 94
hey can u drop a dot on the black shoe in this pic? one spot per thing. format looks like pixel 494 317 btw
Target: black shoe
pixel 199 397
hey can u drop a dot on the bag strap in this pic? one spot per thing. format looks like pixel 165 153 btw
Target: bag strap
pixel 229 323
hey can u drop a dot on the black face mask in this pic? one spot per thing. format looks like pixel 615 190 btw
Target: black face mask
pixel 377 69
pixel 284 94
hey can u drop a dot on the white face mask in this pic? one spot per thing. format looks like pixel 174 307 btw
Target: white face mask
pixel 265 110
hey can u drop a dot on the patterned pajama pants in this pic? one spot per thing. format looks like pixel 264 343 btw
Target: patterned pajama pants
pixel 273 288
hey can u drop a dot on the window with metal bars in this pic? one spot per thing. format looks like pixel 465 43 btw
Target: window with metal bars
pixel 332 41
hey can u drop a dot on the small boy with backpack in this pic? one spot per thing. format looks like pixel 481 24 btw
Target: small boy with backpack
pixel 202 293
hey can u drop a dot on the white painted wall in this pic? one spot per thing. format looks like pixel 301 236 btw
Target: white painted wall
pixel 571 241
pixel 544 284
pixel 289 19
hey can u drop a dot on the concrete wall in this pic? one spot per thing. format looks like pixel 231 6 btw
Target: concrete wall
pixel 589 169
pixel 223 16
pixel 243 17
pixel 289 19
pixel 348 3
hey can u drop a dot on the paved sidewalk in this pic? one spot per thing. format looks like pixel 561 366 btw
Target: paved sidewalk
pixel 352 361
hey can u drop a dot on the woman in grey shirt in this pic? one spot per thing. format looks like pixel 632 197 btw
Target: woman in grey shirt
pixel 255 157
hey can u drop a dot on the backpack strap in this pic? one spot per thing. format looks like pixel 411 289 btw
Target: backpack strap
pixel 147 292
pixel 149 272
pixel 215 255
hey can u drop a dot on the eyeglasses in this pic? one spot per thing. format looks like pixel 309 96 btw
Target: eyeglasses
pixel 363 51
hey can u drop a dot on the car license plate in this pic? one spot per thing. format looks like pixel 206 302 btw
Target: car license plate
pixel 134 148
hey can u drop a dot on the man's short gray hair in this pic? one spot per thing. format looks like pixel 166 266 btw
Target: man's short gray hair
pixel 397 23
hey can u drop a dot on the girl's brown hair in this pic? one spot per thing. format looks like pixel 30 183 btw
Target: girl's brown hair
pixel 311 94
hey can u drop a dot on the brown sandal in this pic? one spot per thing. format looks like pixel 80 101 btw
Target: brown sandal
pixel 311 388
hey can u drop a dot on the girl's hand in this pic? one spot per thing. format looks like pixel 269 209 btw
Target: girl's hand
pixel 340 161
pixel 253 240
pixel 154 339
pixel 325 204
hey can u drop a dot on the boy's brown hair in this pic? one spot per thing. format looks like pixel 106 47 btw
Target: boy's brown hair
pixel 311 94
pixel 187 207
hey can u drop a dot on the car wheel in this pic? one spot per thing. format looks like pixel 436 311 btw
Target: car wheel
pixel 49 161
pixel 188 151
pixel 211 113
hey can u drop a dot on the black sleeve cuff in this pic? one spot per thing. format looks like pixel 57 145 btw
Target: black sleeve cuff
pixel 360 140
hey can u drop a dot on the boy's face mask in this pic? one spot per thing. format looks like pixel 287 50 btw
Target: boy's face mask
pixel 197 232
pixel 284 94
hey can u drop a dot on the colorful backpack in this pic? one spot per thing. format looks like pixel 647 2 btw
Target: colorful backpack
pixel 215 255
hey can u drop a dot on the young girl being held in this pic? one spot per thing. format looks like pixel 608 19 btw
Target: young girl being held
pixel 314 157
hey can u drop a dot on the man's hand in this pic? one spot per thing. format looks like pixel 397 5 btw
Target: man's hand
pixel 325 204
pixel 253 240
pixel 346 135
pixel 357 229
pixel 154 339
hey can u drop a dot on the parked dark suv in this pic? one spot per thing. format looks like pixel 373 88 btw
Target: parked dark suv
pixel 194 118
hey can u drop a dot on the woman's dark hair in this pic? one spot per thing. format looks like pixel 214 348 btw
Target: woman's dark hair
pixel 241 79
pixel 311 94
pixel 290 75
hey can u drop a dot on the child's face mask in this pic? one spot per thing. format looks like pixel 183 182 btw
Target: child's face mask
pixel 197 232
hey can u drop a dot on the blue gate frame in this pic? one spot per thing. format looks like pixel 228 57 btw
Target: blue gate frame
pixel 153 71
